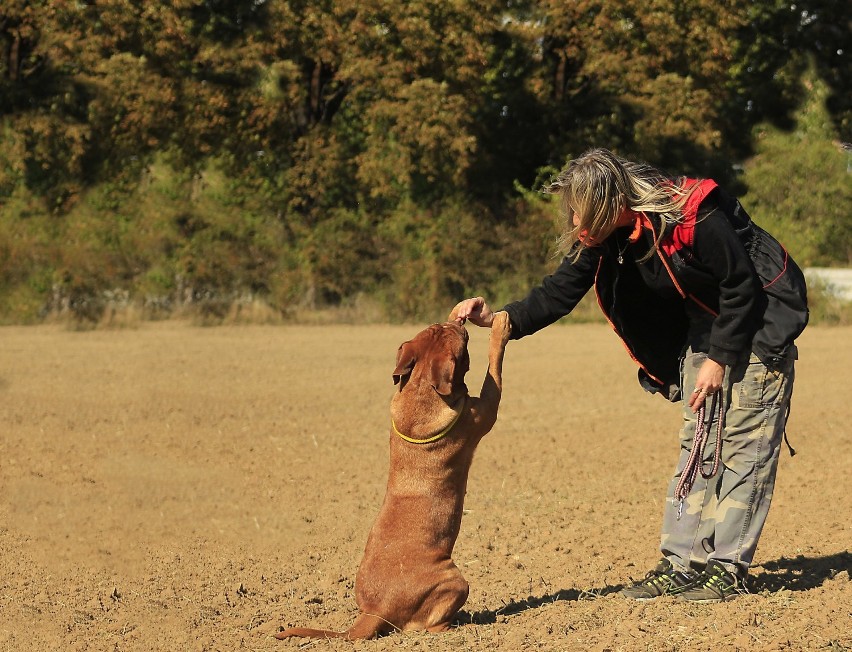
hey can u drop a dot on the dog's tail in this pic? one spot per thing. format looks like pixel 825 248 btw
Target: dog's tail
pixel 305 632
pixel 365 626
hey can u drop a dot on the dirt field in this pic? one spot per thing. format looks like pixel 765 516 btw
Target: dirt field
pixel 179 488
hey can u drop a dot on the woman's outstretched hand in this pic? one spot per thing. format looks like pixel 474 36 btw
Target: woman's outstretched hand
pixel 475 310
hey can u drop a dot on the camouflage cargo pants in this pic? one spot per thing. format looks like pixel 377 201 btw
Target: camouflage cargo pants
pixel 722 517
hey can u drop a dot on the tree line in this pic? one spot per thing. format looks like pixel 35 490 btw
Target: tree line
pixel 325 152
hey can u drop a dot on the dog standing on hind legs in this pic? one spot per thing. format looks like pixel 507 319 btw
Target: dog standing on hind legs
pixel 407 579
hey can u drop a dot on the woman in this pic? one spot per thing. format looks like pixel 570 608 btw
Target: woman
pixel 708 305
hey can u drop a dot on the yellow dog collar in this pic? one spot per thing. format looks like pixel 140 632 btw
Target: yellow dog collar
pixel 429 440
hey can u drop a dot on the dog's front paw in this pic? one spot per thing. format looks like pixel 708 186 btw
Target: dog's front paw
pixel 501 327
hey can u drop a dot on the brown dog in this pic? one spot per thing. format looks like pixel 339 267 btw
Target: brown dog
pixel 407 579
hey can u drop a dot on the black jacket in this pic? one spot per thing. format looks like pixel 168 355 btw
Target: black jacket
pixel 718 283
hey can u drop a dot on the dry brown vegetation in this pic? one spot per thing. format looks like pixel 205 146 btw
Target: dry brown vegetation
pixel 170 487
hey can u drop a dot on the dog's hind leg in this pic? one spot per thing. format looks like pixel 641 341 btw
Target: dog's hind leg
pixel 369 626
pixel 444 603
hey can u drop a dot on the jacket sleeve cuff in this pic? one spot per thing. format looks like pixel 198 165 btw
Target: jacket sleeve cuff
pixel 723 356
pixel 514 329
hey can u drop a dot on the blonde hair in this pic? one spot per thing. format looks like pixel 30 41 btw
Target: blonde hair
pixel 599 185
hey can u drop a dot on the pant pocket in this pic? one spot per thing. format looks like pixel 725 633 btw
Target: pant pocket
pixel 760 386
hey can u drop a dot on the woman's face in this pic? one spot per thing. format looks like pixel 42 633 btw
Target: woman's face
pixel 625 218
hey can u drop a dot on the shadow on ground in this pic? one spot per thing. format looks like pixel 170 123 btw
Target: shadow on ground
pixel 800 573
pixel 489 617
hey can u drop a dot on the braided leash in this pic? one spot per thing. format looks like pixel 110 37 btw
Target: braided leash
pixel 696 455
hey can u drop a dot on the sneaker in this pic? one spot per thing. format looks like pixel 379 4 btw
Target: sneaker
pixel 663 580
pixel 714 584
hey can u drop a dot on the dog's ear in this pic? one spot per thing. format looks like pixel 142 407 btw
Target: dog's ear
pixel 443 369
pixel 406 356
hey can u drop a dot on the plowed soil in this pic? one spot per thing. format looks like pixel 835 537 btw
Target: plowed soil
pixel 171 487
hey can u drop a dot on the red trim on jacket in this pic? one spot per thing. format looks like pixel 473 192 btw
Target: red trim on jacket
pixel 683 233
pixel 783 269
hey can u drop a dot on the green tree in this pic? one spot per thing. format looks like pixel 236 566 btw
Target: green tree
pixel 315 151
pixel 799 183
pixel 645 79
